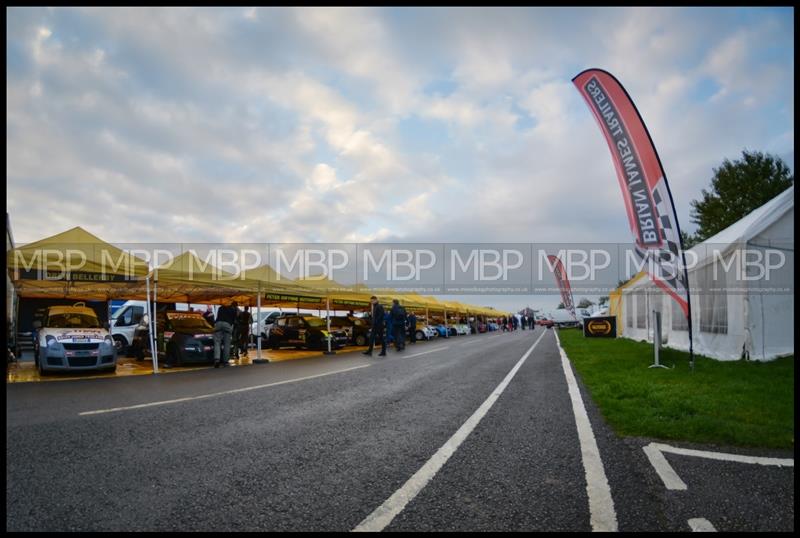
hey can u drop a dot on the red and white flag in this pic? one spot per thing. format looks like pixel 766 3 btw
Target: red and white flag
pixel 648 201
pixel 563 283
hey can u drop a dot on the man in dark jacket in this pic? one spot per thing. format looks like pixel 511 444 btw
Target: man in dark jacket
pixel 223 330
pixel 245 319
pixel 376 332
pixel 412 327
pixel 399 324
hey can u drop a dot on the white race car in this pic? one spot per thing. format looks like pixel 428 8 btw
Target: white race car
pixel 424 332
pixel 71 339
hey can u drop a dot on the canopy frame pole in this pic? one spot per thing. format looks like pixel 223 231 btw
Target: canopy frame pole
pixel 153 355
pixel 328 319
pixel 155 306
pixel 259 359
pixel 258 318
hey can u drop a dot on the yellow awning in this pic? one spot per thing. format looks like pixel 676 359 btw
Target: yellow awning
pixel 74 264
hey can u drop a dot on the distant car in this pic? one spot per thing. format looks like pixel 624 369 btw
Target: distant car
pixel 71 339
pixel 482 327
pixel 493 326
pixel 304 331
pixel 461 329
pixel 425 332
pixel 441 330
pixel 186 338
pixel 357 329
pixel 544 322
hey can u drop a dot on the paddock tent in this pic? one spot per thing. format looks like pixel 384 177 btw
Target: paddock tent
pixel 738 309
pixel 615 302
pixel 97 270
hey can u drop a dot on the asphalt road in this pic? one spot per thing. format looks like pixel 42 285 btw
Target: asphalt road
pixel 319 444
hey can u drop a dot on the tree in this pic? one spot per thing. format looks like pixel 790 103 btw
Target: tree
pixel 689 240
pixel 560 306
pixel 603 300
pixel 585 303
pixel 738 188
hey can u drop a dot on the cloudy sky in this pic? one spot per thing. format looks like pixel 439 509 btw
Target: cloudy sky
pixel 363 125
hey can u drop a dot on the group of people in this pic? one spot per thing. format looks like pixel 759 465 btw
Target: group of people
pixel 231 328
pixel 392 326
pixel 512 323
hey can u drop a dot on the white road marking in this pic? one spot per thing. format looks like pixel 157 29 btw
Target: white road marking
pixel 602 515
pixel 382 516
pixel 701 524
pixel 758 460
pixel 663 468
pixel 671 479
pixel 203 396
pixel 426 352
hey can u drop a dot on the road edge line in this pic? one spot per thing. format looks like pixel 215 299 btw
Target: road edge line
pixel 602 515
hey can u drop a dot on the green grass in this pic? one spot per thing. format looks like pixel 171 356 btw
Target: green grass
pixel 734 403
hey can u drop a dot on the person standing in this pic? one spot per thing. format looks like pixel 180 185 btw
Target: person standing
pixel 223 330
pixel 245 319
pixel 376 331
pixel 398 316
pixel 412 328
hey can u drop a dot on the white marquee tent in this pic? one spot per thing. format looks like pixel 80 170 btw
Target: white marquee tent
pixel 738 308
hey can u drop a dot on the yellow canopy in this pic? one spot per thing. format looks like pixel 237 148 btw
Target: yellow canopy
pixel 188 279
pixel 615 300
pixel 74 264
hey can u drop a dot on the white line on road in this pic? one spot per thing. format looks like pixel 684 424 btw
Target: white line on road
pixel 382 516
pixel 663 468
pixel 234 391
pixel 780 462
pixel 426 352
pixel 701 524
pixel 672 481
pixel 601 506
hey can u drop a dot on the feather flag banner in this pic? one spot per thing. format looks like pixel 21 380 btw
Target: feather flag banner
pixel 563 283
pixel 648 200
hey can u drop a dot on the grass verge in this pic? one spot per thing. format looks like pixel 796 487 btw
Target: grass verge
pixel 731 403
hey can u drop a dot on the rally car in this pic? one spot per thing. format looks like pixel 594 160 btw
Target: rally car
pixel 461 329
pixel 305 331
pixel 71 339
pixel 356 329
pixel 425 332
pixel 184 337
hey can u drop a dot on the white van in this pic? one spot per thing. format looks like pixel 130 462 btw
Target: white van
pixel 123 323
pixel 261 327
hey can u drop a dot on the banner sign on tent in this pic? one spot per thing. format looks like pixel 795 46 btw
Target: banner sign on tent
pixel 603 327
pixel 648 200
pixel 71 276
pixel 563 284
pixel 293 298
